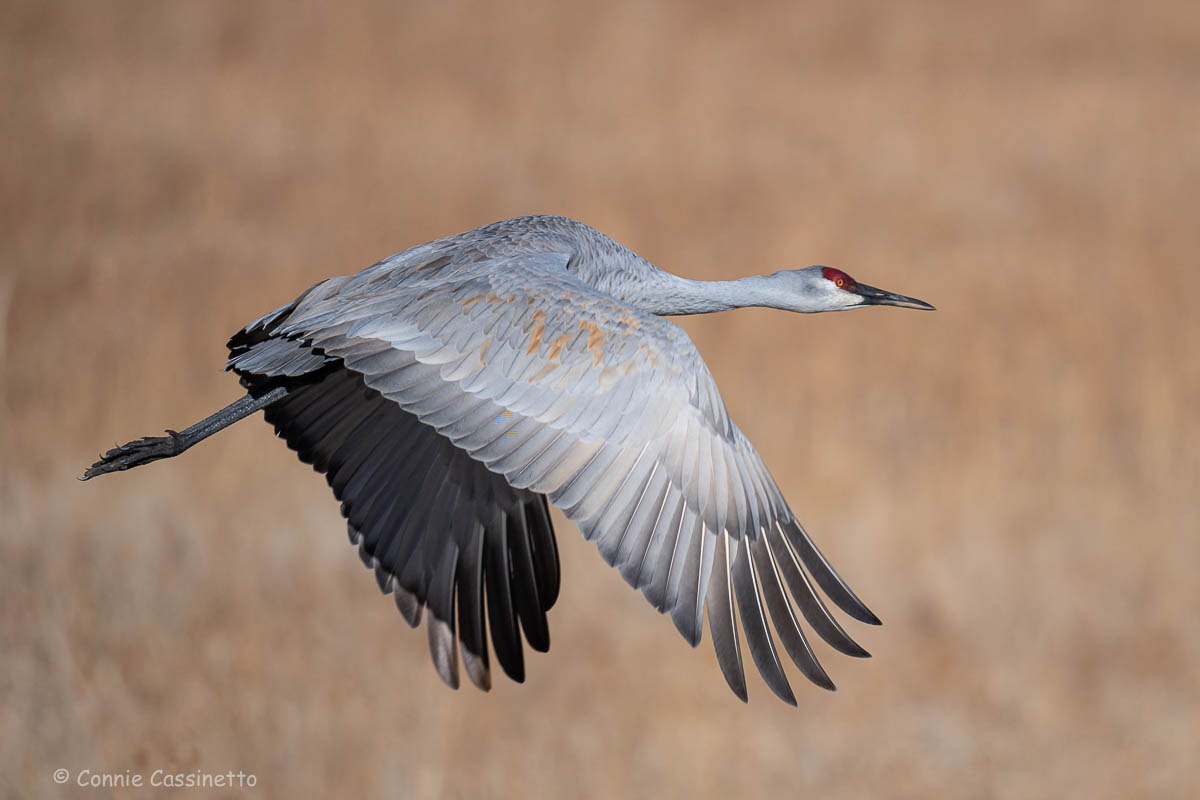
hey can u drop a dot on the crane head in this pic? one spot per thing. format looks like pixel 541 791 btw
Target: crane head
pixel 831 289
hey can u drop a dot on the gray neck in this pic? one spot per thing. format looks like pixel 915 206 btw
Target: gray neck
pixel 613 268
pixel 671 295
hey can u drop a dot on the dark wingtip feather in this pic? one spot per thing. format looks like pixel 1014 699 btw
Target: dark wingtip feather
pixel 858 651
pixel 502 617
pixel 549 572
pixel 865 615
pixel 754 623
pixel 784 692
pixel 540 641
pixel 805 595
pixel 826 577
pixel 443 650
pixel 477 669
pixel 384 580
pixel 472 633
pixel 365 555
pixel 722 622
pixel 692 634
pixel 409 606
pixel 846 600
pixel 524 584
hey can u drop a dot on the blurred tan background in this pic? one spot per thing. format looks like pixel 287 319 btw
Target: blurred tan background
pixel 1012 483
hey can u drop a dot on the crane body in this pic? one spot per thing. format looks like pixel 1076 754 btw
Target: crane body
pixel 451 392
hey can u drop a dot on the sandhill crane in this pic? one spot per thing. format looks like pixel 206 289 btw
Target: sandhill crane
pixel 449 391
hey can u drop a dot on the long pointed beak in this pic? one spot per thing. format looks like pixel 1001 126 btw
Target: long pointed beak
pixel 877 297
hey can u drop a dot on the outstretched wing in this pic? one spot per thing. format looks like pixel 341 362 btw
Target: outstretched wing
pixel 566 392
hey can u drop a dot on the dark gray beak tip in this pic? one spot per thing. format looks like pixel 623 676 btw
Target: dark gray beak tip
pixel 878 297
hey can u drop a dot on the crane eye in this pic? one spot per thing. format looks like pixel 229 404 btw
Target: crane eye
pixel 839 279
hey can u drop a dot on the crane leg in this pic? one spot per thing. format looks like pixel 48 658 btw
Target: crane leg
pixel 152 448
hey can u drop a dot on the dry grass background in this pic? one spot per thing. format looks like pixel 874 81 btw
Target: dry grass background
pixel 1012 483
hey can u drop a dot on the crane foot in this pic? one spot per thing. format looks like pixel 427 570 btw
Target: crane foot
pixel 136 453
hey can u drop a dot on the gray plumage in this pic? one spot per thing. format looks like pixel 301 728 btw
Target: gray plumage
pixel 449 391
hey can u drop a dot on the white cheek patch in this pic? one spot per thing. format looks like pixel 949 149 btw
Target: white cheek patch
pixel 840 298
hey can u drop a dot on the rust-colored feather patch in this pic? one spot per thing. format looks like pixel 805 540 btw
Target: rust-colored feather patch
pixel 556 348
pixel 596 340
pixel 539 329
pixel 535 338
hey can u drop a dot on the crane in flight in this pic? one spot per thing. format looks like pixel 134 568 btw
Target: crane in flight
pixel 451 391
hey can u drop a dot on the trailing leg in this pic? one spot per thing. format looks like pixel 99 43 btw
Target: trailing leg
pixel 152 448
